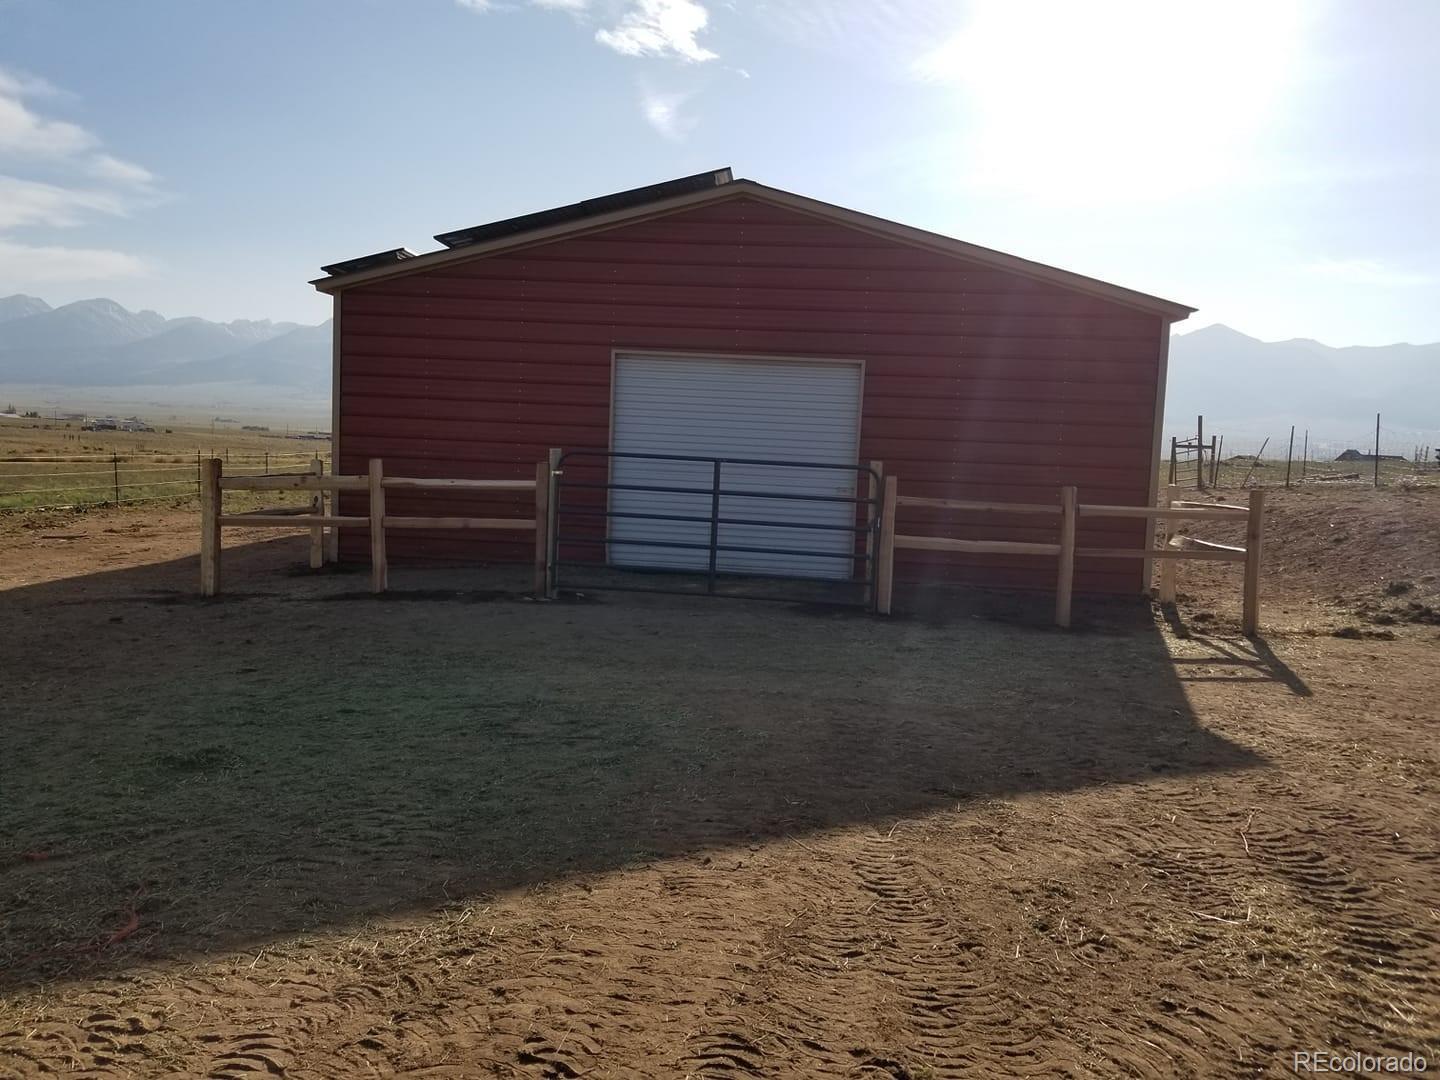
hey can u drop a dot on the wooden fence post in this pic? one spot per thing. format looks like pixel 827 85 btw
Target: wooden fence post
pixel 1174 456
pixel 885 577
pixel 379 570
pixel 1065 581
pixel 115 464
pixel 542 530
pixel 1167 566
pixel 210 527
pixel 332 541
pixel 552 522
pixel 1200 453
pixel 1254 544
pixel 317 507
pixel 875 493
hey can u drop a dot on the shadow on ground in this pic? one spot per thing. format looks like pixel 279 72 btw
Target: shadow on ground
pixel 188 776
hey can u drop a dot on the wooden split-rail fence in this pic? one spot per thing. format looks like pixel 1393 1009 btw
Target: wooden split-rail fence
pixel 1068 509
pixel 213 485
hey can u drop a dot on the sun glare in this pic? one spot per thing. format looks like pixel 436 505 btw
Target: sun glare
pixel 1129 99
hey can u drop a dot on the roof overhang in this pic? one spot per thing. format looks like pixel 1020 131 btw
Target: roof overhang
pixel 749 189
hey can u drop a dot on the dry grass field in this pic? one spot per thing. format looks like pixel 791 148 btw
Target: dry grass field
pixel 47 463
pixel 453 832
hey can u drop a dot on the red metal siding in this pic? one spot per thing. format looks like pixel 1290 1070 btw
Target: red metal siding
pixel 978 383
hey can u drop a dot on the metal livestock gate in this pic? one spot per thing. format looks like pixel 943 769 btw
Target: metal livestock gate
pixel 718 541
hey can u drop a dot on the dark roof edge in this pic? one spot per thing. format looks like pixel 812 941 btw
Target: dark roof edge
pixel 367 262
pixel 729 188
pixel 949 245
pixel 586 208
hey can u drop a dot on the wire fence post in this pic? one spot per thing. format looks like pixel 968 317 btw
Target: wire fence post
pixel 1377 449
pixel 1200 453
pixel 115 465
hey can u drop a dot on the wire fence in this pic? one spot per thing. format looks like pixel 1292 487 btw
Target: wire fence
pixel 1296 456
pixel 38 483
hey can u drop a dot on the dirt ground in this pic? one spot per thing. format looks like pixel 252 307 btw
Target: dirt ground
pixel 454 832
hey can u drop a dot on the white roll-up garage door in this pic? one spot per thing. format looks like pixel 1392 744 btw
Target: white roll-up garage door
pixel 775 410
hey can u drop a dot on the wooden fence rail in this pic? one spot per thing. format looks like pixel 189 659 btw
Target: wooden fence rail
pixel 1068 509
pixel 213 485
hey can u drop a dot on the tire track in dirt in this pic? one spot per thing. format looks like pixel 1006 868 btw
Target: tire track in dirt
pixel 1248 905
pixel 890 959
pixel 1383 938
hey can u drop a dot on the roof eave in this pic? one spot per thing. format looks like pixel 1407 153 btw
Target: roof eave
pixel 906 234
pixel 598 223
pixel 960 249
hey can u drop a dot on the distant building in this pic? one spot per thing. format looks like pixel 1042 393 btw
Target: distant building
pixel 1358 455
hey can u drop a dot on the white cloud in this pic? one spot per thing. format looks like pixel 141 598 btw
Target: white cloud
pixel 660 28
pixel 114 169
pixel 33 202
pixel 24 134
pixel 23 266
pixel 78 182
pixel 664 28
pixel 20 83
pixel 1367 272
pixel 662 112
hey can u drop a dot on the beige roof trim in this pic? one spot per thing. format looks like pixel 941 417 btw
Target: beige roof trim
pixel 854 219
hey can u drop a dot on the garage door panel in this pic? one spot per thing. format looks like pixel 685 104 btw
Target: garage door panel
pixel 775 410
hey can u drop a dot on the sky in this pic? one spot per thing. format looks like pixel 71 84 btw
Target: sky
pixel 1274 163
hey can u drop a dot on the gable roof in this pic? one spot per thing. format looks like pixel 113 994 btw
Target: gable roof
pixel 586 208
pixel 638 204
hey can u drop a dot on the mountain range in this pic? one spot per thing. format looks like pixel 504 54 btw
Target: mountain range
pixel 1253 389
pixel 1245 387
pixel 99 343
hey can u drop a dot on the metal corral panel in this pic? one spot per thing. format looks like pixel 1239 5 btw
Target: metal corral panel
pixel 773 410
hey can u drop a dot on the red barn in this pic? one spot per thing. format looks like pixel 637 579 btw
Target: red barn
pixel 710 317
